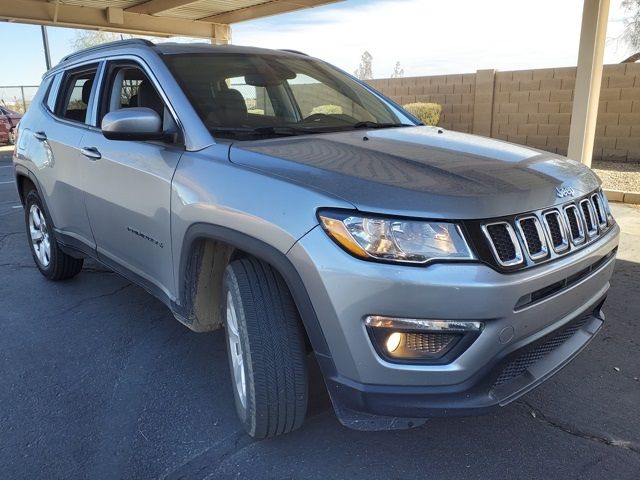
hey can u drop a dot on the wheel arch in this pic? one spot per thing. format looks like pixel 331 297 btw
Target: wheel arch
pixel 209 248
pixel 24 179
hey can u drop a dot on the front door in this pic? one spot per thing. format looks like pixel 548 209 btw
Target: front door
pixel 128 188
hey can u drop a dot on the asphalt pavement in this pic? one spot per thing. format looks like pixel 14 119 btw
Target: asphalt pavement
pixel 98 381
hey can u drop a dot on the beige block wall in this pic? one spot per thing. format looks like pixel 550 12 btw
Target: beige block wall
pixel 531 107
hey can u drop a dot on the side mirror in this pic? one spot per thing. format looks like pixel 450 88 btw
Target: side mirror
pixel 136 123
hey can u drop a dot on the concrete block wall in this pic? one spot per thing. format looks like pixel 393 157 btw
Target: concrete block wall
pixel 530 107
pixel 456 94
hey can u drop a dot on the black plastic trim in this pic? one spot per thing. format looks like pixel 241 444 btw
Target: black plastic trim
pixel 471 397
pixel 274 257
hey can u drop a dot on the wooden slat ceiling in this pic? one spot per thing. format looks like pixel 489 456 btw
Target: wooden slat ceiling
pixel 198 18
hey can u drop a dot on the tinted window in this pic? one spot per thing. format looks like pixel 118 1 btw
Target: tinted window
pixel 76 92
pixel 244 95
pixel 128 86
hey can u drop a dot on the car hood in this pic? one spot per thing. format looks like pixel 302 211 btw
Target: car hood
pixel 420 171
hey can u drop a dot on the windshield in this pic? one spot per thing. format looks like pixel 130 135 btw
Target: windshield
pixel 244 96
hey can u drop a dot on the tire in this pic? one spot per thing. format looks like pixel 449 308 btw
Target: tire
pixel 264 330
pixel 11 139
pixel 52 262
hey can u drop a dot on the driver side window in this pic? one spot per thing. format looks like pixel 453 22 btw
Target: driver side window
pixel 129 86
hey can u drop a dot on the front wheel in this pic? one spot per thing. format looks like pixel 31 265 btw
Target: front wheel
pixel 266 348
pixel 52 262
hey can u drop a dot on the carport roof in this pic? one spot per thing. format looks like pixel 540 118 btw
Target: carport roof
pixel 195 18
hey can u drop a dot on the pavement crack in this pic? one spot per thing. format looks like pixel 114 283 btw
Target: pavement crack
pixel 576 432
pixel 94 297
pixel 16 265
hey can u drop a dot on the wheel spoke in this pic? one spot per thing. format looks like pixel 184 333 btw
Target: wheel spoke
pixel 36 235
pixel 36 218
pixel 235 351
pixel 39 235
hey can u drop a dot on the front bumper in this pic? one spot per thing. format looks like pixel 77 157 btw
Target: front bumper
pixel 344 290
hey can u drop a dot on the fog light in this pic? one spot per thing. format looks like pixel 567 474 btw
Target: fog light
pixel 393 341
pixel 421 341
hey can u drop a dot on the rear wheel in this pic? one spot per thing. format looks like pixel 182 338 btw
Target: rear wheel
pixel 12 136
pixel 265 343
pixel 52 262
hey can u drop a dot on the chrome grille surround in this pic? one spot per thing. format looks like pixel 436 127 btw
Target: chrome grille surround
pixel 576 233
pixel 589 217
pixel 517 257
pixel 598 206
pixel 563 246
pixel 539 237
pixel 560 230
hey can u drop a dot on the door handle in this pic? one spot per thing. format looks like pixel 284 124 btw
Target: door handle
pixel 41 136
pixel 91 153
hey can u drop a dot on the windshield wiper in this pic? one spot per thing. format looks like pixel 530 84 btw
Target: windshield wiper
pixel 271 130
pixel 368 124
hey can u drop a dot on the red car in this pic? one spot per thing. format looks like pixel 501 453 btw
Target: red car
pixel 8 121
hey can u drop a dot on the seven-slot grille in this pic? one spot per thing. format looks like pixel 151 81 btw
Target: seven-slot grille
pixel 547 233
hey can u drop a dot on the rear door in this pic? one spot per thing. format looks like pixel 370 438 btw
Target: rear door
pixel 61 168
pixel 128 183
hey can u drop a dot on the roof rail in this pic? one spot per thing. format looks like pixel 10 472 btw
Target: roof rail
pixel 293 51
pixel 117 43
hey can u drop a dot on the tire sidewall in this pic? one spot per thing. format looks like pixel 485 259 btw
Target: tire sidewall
pixel 34 199
pixel 246 414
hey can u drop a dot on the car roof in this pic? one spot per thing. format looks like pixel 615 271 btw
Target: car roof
pixel 165 48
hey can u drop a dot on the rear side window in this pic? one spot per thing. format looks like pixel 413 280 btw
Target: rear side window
pixel 75 94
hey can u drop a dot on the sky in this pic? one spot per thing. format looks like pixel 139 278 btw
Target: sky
pixel 427 37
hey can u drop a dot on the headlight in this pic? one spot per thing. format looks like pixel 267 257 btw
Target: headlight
pixel 395 240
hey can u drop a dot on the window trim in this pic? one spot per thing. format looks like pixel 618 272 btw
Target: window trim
pixel 62 98
pixel 49 100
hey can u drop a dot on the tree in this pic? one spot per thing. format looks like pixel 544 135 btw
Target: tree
pixel 398 71
pixel 91 38
pixel 365 69
pixel 631 34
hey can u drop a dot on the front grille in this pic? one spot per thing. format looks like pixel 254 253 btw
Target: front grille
pixel 599 209
pixel 556 230
pixel 504 243
pixel 542 235
pixel 526 360
pixel 429 342
pixel 533 236
pixel 588 215
pixel 575 224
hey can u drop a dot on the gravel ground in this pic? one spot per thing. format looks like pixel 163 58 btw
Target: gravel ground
pixel 619 176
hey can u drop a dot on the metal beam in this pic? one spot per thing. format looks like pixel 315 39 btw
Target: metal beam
pixel 63 15
pixel 264 10
pixel 154 7
pixel 586 94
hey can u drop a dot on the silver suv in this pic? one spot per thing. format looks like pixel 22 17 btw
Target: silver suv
pixel 428 272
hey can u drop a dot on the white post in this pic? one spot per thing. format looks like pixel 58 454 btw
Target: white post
pixel 588 79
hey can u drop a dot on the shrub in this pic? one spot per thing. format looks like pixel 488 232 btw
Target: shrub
pixel 428 113
pixel 327 110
